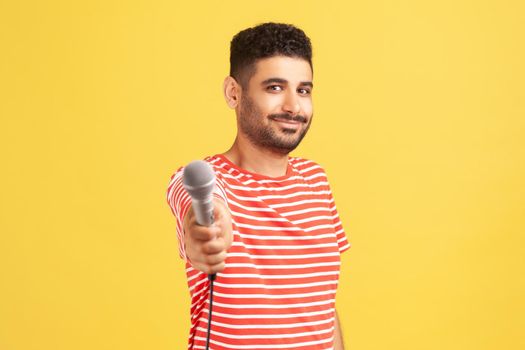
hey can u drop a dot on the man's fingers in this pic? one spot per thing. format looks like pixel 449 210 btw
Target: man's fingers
pixel 214 259
pixel 204 233
pixel 206 258
pixel 210 269
pixel 214 246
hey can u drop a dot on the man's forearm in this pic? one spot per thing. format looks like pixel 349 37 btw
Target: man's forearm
pixel 338 335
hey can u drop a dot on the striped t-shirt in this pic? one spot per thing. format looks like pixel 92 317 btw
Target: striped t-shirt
pixel 279 285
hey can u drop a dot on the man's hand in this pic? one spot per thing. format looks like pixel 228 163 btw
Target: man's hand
pixel 206 246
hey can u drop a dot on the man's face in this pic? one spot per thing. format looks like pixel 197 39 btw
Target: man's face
pixel 276 110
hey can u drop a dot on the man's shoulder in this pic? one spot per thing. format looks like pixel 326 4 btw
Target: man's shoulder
pixel 304 165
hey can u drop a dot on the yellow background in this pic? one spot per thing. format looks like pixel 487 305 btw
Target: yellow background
pixel 419 123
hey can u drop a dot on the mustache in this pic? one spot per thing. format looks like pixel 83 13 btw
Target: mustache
pixel 297 118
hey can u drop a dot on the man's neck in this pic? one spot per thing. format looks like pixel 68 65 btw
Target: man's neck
pixel 257 160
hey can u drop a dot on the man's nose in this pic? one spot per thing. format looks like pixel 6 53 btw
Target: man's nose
pixel 291 103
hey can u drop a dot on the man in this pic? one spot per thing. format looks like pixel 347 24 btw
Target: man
pixel 277 237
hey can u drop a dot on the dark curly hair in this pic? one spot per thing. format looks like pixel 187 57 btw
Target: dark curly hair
pixel 262 41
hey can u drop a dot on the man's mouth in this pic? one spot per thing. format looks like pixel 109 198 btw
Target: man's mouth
pixel 288 121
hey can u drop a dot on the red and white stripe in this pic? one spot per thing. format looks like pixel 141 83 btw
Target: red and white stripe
pixel 279 285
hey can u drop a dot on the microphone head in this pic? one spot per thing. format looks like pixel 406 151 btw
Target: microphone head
pixel 198 179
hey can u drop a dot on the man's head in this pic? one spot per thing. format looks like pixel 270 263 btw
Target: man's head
pixel 263 41
pixel 270 85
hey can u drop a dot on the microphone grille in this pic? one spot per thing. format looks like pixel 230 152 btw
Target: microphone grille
pixel 198 178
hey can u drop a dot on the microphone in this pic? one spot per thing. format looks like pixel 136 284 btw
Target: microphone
pixel 198 179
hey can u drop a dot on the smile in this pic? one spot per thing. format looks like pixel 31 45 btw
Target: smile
pixel 287 122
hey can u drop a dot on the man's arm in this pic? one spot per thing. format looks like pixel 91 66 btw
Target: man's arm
pixel 338 336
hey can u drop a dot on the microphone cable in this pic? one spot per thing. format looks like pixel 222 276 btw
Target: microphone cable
pixel 211 277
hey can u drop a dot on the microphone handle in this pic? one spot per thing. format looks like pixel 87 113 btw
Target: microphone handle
pixel 203 211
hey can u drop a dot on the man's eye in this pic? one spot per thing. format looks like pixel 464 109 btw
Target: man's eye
pixel 274 88
pixel 304 91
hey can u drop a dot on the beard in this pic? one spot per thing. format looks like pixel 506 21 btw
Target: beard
pixel 251 123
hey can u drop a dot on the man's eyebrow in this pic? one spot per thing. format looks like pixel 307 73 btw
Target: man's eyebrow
pixel 284 81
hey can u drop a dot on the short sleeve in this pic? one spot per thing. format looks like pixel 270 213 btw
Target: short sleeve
pixel 179 202
pixel 340 234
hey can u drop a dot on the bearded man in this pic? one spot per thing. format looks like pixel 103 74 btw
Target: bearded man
pixel 276 242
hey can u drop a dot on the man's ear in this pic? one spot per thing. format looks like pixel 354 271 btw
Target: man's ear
pixel 232 92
